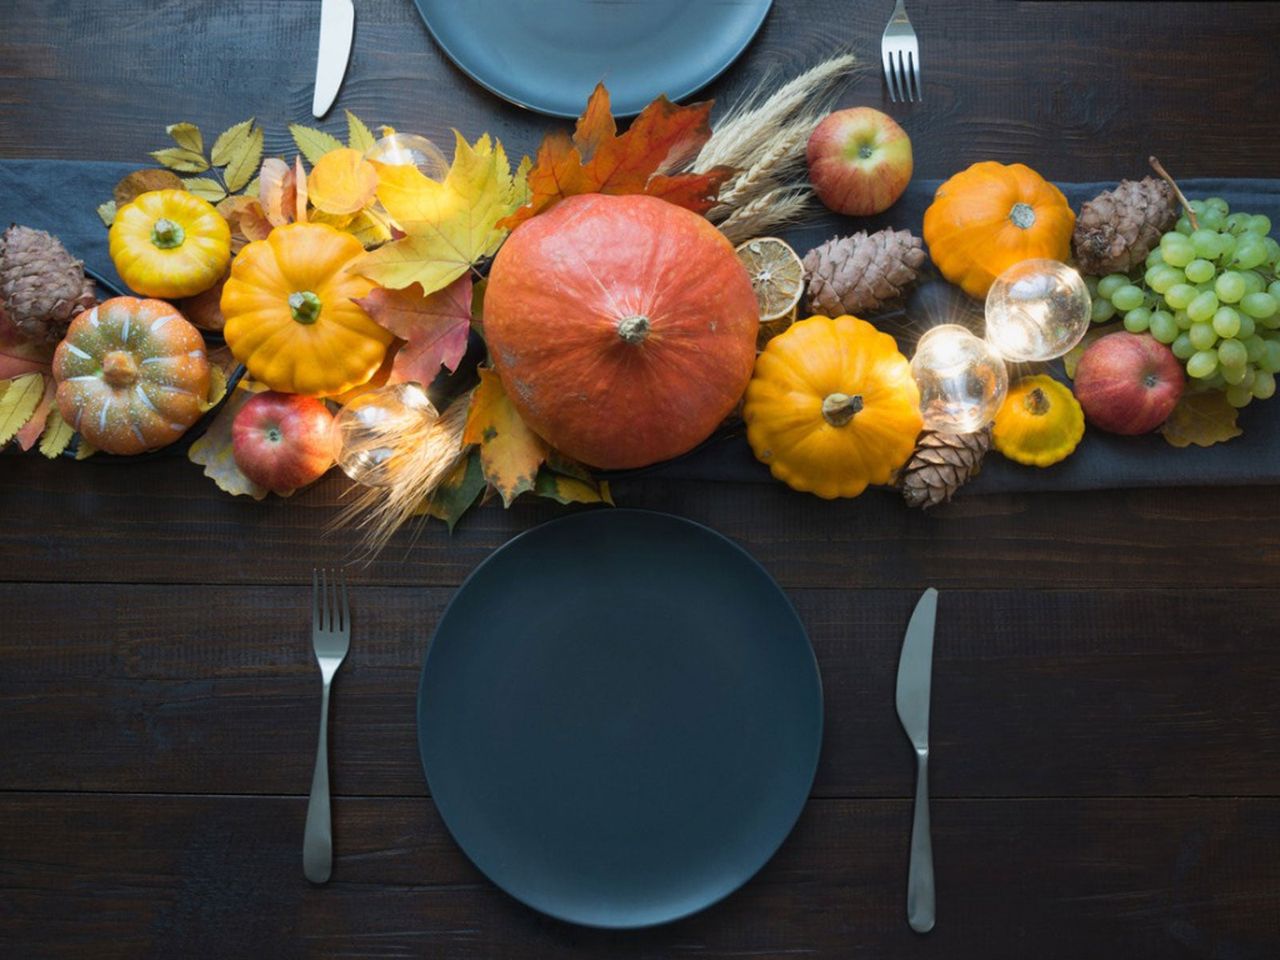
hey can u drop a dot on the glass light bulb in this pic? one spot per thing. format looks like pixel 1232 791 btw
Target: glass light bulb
pixel 962 380
pixel 1037 310
pixel 366 429
pixel 404 149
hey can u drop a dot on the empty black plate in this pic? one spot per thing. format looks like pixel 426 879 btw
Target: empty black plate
pixel 620 717
pixel 548 55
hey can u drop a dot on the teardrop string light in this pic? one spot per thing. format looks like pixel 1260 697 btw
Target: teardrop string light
pixel 1036 310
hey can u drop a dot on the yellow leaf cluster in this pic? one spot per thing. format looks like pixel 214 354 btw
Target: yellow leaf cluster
pixel 449 225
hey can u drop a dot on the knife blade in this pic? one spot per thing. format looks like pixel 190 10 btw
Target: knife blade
pixel 915 680
pixel 337 26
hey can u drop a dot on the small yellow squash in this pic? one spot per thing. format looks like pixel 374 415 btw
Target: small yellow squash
pixel 291 315
pixel 169 243
pixel 1039 423
pixel 832 407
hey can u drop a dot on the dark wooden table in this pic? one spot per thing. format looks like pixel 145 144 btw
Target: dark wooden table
pixel 1106 726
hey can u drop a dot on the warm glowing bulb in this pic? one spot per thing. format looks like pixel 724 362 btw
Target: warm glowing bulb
pixel 962 380
pixel 366 431
pixel 405 149
pixel 1037 310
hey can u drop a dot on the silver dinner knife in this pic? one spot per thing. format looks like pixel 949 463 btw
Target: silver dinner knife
pixel 337 25
pixel 915 672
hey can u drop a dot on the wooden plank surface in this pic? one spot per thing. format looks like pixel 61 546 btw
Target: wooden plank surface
pixel 220 877
pixel 1057 693
pixel 1107 739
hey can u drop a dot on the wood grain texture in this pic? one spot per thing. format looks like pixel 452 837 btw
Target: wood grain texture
pixel 219 877
pixel 1057 693
pixel 1080 91
pixel 168 524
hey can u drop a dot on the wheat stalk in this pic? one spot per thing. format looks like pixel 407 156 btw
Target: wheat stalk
pixel 427 452
pixel 763 175
pixel 766 213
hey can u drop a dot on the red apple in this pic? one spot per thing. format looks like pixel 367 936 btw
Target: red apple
pixel 859 161
pixel 1128 383
pixel 281 441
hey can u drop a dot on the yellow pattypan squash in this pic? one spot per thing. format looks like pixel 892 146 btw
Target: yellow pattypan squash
pixel 291 316
pixel 832 407
pixel 1039 423
pixel 989 217
pixel 169 243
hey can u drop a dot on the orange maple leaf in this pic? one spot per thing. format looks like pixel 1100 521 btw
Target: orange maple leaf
pixel 596 159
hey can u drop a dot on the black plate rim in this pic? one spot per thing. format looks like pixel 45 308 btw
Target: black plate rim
pixel 750 35
pixel 575 516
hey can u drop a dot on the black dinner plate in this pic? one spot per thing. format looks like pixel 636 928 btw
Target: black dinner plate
pixel 619 717
pixel 549 55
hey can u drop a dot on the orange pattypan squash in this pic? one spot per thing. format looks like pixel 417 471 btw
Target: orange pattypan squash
pixel 832 407
pixel 989 217
pixel 132 375
pixel 291 316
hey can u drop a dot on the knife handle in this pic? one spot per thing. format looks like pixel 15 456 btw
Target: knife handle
pixel 920 914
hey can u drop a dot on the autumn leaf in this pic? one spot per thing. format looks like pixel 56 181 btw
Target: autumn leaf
pixel 213 451
pixel 277 191
pixel 435 327
pixel 510 453
pixel 342 182
pixel 1072 358
pixel 18 402
pixel 370 229
pixel 358 135
pixel 300 191
pixel 242 164
pixel 139 182
pixel 247 219
pixel 57 435
pixel 1203 419
pixel 34 427
pixel 107 213
pixel 187 136
pixel 313 144
pixel 217 388
pixel 204 188
pixel 448 226
pixel 563 488
pixel 597 160
pixel 458 491
pixel 181 160
pixel 230 142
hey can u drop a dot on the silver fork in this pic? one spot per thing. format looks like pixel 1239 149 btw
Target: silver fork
pixel 331 637
pixel 900 51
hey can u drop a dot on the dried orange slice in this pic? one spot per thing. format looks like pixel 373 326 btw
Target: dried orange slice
pixel 777 276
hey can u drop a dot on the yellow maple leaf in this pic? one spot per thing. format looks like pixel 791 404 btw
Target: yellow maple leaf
pixel 1203 418
pixel 449 225
pixel 510 453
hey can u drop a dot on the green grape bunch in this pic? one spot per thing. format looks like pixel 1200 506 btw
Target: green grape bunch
pixel 1211 292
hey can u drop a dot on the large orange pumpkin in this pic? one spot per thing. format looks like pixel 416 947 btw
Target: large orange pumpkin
pixel 989 217
pixel 623 328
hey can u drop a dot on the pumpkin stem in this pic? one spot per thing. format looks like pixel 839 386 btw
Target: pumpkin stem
pixel 839 408
pixel 304 307
pixel 1022 215
pixel 634 329
pixel 1158 167
pixel 1036 402
pixel 166 234
pixel 119 369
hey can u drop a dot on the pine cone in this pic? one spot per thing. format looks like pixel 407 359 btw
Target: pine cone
pixel 861 273
pixel 1118 228
pixel 941 465
pixel 42 287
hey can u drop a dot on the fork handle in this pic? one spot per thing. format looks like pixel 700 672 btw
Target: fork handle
pixel 317 842
pixel 920 907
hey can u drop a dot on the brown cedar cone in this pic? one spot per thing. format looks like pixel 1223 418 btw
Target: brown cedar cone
pixel 41 286
pixel 941 465
pixel 1118 228
pixel 861 273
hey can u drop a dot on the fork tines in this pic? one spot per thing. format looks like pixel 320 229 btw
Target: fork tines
pixel 329 610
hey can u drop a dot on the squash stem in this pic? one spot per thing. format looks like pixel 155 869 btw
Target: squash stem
pixel 839 408
pixel 304 306
pixel 633 329
pixel 1036 402
pixel 1022 215
pixel 166 234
